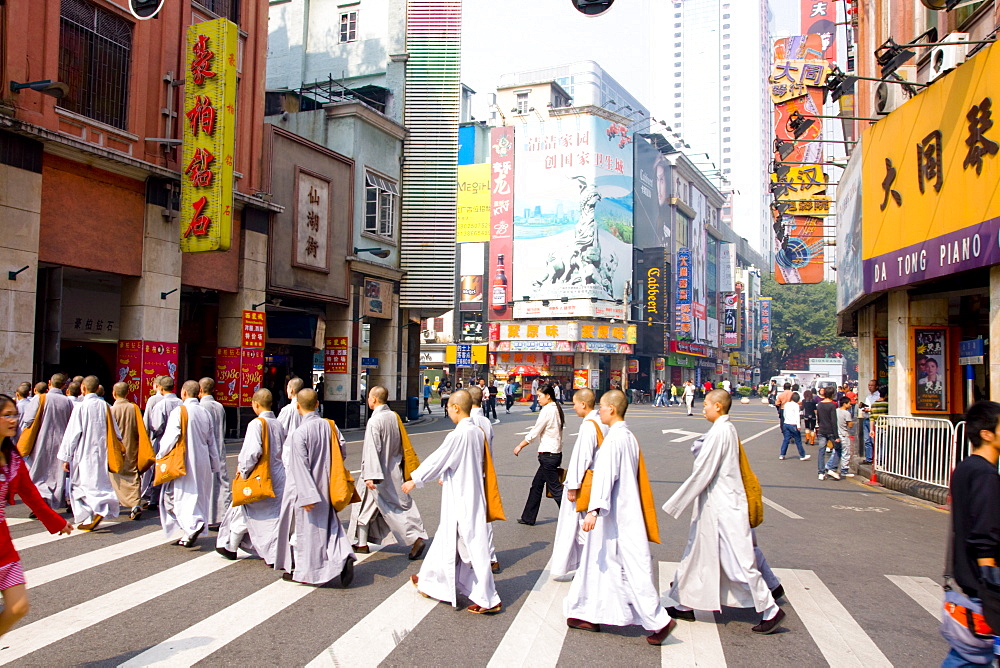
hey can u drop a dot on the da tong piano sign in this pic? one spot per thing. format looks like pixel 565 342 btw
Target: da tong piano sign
pixel 209 143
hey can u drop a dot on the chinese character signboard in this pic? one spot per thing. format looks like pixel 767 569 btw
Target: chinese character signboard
pixel 929 204
pixel 765 323
pixel 158 359
pixel 251 375
pixel 253 329
pixel 463 356
pixel 227 376
pixel 930 369
pixel 376 301
pixel 731 319
pixel 335 354
pixel 311 243
pixel 129 370
pixel 819 17
pixel 474 197
pixel 209 143
pixel 499 284
pixel 684 316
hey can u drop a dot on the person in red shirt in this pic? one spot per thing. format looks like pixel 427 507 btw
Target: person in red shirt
pixel 14 479
pixel 853 396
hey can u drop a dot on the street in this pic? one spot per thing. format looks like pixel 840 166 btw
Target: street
pixel 859 566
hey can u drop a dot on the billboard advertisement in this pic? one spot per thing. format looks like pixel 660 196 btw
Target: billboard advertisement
pixel 850 276
pixel 501 224
pixel 819 17
pixel 684 314
pixel 472 222
pixel 573 213
pixel 731 319
pixel 651 187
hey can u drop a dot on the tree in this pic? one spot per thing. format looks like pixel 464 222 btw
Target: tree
pixel 803 324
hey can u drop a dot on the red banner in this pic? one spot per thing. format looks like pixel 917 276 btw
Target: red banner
pixel 158 359
pixel 819 17
pixel 227 376
pixel 498 288
pixel 251 375
pixel 253 329
pixel 335 354
pixel 128 369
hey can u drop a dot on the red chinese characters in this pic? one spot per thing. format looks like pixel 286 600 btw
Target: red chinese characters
pixel 202 63
pixel 199 223
pixel 199 169
pixel 202 115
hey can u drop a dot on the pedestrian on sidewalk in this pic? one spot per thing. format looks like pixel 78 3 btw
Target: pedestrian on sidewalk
pixel 509 390
pixel 660 396
pixel 845 424
pixel 719 564
pixel 16 481
pixel 809 416
pixel 492 393
pixel 674 401
pixel 427 395
pixel 534 395
pixel 828 437
pixel 790 427
pixel 444 391
pixel 865 423
pixel 877 408
pixel 780 400
pixel 689 395
pixel 548 429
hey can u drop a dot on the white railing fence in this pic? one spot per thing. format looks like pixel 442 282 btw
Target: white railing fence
pixel 917 448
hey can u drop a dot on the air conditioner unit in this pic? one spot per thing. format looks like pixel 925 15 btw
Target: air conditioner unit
pixel 428 336
pixel 889 97
pixel 946 58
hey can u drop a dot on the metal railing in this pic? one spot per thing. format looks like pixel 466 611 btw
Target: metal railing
pixel 917 448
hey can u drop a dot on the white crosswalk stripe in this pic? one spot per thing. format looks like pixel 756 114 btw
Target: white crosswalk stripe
pixel 537 633
pixel 36 577
pixel 925 591
pixel 690 644
pixel 14 521
pixel 215 632
pixel 42 537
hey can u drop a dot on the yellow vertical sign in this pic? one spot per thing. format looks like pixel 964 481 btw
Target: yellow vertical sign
pixel 209 140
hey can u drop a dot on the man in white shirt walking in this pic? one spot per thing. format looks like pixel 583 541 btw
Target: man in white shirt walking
pixel 548 429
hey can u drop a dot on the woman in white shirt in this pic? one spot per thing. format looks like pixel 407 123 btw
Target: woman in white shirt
pixel 548 430
pixel 790 415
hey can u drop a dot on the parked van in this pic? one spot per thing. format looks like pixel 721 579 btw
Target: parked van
pixel 821 383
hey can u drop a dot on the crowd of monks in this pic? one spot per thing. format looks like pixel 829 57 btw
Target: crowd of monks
pixel 97 458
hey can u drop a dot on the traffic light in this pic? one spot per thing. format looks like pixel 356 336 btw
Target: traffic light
pixel 592 7
pixel 145 9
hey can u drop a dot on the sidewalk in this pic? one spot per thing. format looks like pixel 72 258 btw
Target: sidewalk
pixel 423 419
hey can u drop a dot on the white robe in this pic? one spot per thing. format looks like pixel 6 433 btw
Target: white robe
pixel 483 422
pixel 386 510
pixel 254 526
pixel 184 501
pixel 614 583
pixel 458 561
pixel 85 448
pixel 719 565
pixel 320 548
pixel 43 464
pixel 222 494
pixel 568 544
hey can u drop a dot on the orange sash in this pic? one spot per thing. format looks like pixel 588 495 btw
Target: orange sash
pixel 583 494
pixel 147 457
pixel 26 441
pixel 494 504
pixel 410 459
pixel 342 490
pixel 647 503
pixel 172 466
pixel 116 450
pixel 257 486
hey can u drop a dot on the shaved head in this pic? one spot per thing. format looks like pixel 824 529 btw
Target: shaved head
pixel 120 390
pixel 720 397
pixel 41 388
pixel 463 400
pixel 294 385
pixel 264 397
pixel 90 383
pixel 615 399
pixel 167 383
pixel 585 396
pixel 207 385
pixel 190 388
pixel 73 389
pixel 476 393
pixel 58 380
pixel 379 394
pixel 307 398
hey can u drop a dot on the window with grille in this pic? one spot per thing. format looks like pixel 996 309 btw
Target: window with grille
pixel 380 205
pixel 522 103
pixel 227 9
pixel 348 27
pixel 95 53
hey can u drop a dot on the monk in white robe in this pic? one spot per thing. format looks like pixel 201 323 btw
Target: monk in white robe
pixel 719 566
pixel 568 544
pixel 289 416
pixel 158 409
pixel 45 421
pixel 222 494
pixel 184 501
pixel 614 583
pixel 480 420
pixel 84 450
pixel 253 527
pixel 458 561
pixel 384 510
pixel 312 545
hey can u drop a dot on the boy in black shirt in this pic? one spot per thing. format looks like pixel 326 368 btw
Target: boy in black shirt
pixel 975 503
pixel 826 430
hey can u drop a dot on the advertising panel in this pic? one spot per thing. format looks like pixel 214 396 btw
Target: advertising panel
pixel 655 282
pixel 727 267
pixel 209 140
pixel 580 379
pixel 466 145
pixel 819 17
pixel 473 203
pixel 376 299
pixel 311 242
pixel 251 375
pixel 158 359
pixel 684 317
pixel 254 323
pixel 933 211
pixel 227 375
pixel 651 186
pixel 930 370
pixel 765 323
pixel 501 223
pixel 882 362
pixel 573 309
pixel 573 221
pixel 850 276
pixel 128 369
pixel 335 354
pixel 471 258
pixel 731 320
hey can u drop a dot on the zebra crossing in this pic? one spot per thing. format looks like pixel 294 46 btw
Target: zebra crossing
pixel 531 631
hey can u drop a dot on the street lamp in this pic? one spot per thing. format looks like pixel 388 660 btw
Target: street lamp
pixel 377 252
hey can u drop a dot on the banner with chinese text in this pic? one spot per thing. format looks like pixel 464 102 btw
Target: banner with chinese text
pixel 128 369
pixel 158 359
pixel 254 323
pixel 209 140
pixel 473 203
pixel 227 376
pixel 499 280
pixel 335 354
pixel 251 375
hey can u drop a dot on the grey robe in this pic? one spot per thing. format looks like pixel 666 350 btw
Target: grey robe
pixel 386 510
pixel 85 448
pixel 158 408
pixel 184 502
pixel 22 406
pixel 44 466
pixel 222 494
pixel 254 526
pixel 320 547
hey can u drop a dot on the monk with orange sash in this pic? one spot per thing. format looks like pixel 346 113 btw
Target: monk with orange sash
pixel 137 453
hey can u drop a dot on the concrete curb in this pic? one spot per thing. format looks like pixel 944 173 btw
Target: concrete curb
pixel 921 490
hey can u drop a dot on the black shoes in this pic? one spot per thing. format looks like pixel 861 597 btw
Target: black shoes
pixel 769 625
pixel 347 575
pixel 228 554
pixel 189 541
pixel 417 550
pixel 778 592
pixel 685 615
pixel 520 521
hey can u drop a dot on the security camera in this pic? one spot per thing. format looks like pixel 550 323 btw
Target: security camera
pixel 592 7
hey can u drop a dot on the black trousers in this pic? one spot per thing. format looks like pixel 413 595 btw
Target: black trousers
pixel 547 474
pixel 509 401
pixel 491 407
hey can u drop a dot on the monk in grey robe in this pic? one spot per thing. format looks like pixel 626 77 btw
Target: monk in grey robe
pixel 184 501
pixel 39 444
pixel 84 450
pixel 158 409
pixel 253 527
pixel 128 481
pixel 384 509
pixel 222 494
pixel 312 545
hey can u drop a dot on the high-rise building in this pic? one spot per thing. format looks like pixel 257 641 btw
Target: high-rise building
pixel 715 56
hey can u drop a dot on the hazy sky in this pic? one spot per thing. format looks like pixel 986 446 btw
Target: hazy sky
pixel 502 36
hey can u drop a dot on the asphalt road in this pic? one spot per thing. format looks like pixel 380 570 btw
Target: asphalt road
pixel 857 564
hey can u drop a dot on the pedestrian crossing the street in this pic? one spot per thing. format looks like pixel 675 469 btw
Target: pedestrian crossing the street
pixel 531 630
